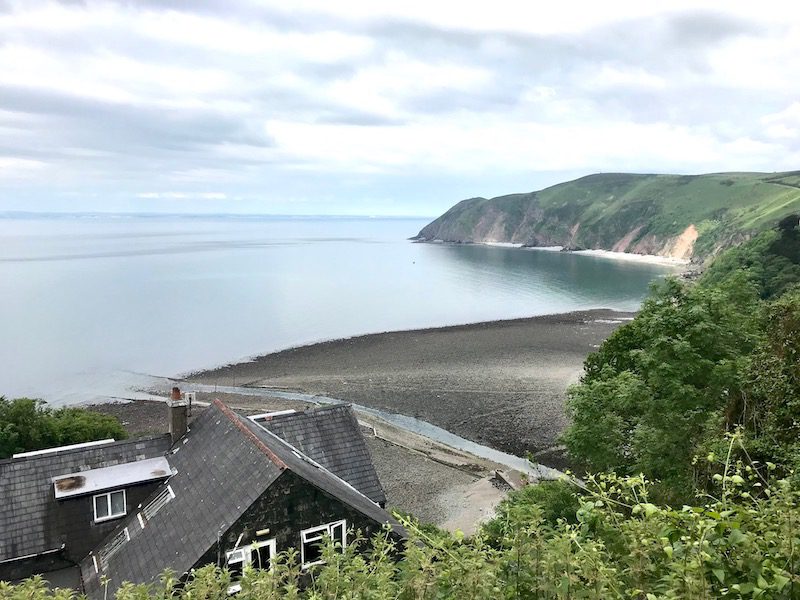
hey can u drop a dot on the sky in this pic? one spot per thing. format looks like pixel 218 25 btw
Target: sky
pixel 381 107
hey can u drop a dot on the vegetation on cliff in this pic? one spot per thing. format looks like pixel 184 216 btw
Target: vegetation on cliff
pixel 670 215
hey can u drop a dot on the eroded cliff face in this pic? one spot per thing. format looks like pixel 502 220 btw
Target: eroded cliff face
pixel 535 229
pixel 680 246
pixel 677 216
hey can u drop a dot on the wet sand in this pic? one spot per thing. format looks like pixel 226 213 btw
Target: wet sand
pixel 500 383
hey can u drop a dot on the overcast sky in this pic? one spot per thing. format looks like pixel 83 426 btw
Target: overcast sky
pixel 401 108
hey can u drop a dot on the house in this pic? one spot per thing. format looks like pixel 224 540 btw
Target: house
pixel 330 436
pixel 226 490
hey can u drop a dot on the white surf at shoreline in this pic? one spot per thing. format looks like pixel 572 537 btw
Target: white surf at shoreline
pixel 624 256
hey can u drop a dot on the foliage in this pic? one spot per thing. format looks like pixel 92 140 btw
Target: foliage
pixel 27 424
pixel 742 542
pixel 648 393
pixel 772 416
pixel 699 361
pixel 771 261
pixel 552 501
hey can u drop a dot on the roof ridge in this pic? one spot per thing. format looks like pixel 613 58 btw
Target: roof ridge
pixel 233 418
pixel 315 464
pixel 313 410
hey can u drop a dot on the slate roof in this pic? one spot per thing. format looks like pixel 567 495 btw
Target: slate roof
pixel 332 437
pixel 26 490
pixel 223 464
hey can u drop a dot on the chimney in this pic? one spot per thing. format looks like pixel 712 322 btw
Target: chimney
pixel 176 406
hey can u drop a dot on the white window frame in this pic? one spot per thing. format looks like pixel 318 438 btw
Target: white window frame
pixel 246 554
pixel 257 545
pixel 110 516
pixel 315 534
pixel 236 586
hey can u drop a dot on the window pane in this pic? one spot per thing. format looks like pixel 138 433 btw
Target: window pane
pixel 338 533
pixel 118 503
pixel 100 506
pixel 236 564
pixel 312 551
pixel 260 557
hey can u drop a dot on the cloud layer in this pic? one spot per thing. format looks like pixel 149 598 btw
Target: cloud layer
pixel 320 107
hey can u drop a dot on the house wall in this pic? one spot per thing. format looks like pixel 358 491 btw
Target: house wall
pixel 71 520
pixel 288 506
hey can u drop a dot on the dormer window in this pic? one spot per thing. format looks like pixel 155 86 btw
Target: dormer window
pixel 109 506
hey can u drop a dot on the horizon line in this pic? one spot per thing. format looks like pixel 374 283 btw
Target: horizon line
pixel 31 213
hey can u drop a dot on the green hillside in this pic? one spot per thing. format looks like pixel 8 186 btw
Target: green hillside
pixel 669 215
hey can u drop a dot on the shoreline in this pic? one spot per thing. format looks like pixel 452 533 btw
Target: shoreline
pixel 654 259
pixel 498 383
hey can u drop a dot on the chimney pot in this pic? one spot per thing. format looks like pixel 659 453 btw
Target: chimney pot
pixel 177 415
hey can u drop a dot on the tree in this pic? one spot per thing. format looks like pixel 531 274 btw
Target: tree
pixel 650 391
pixel 27 424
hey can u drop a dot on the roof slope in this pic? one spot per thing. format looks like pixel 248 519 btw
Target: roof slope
pixel 223 464
pixel 332 437
pixel 321 477
pixel 222 468
pixel 26 489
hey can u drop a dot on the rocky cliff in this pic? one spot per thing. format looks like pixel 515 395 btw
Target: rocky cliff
pixel 679 216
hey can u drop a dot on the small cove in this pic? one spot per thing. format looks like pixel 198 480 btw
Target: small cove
pixel 89 302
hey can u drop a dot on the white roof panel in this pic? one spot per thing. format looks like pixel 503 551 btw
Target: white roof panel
pixel 96 480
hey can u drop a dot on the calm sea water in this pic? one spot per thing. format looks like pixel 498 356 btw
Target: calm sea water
pixel 91 305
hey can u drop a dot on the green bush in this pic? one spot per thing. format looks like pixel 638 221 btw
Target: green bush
pixel 743 541
pixel 552 501
pixel 697 362
pixel 27 424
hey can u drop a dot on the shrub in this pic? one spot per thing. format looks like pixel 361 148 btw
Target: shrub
pixel 27 424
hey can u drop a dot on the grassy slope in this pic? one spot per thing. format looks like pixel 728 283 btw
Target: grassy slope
pixel 608 206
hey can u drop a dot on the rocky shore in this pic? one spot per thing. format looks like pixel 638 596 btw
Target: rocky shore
pixel 500 383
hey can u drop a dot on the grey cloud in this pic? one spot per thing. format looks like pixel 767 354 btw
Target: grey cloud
pixel 700 28
pixel 101 141
pixel 674 48
pixel 344 116
pixel 145 126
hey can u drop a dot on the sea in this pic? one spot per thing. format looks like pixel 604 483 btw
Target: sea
pixel 94 306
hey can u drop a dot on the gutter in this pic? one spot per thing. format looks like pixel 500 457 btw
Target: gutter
pixel 34 555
